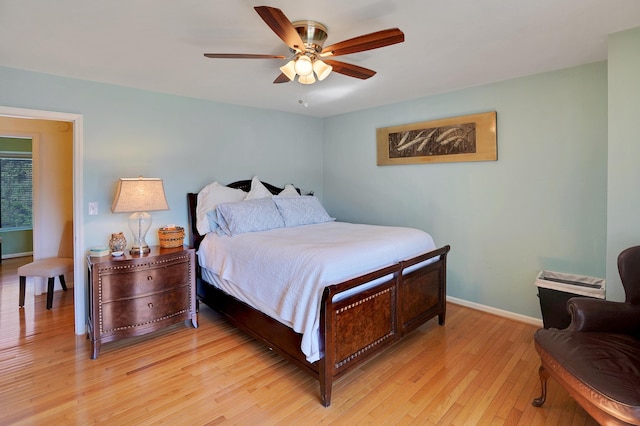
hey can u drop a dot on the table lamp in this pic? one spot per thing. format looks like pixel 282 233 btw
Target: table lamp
pixel 139 195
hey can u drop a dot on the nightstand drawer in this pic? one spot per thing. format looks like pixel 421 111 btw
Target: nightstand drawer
pixel 146 309
pixel 130 283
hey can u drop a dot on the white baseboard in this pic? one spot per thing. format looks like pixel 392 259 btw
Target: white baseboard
pixel 12 255
pixel 495 311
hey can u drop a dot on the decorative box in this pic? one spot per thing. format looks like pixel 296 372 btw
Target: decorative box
pixel 171 236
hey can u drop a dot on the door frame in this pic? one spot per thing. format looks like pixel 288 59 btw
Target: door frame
pixel 80 287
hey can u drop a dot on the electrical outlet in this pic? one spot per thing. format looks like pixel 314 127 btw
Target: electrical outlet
pixel 93 208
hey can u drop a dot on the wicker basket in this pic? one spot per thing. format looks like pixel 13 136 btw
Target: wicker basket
pixel 171 237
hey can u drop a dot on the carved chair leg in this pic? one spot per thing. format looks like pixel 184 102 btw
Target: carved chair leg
pixel 62 282
pixel 544 376
pixel 50 282
pixel 23 286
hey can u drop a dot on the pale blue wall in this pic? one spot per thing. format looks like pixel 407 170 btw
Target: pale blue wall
pixel 542 205
pixel 17 243
pixel 187 142
pixel 623 229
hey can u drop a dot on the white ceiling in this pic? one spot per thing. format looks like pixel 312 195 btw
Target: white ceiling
pixel 158 45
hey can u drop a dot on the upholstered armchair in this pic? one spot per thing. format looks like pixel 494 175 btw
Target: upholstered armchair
pixel 613 317
pixel 597 358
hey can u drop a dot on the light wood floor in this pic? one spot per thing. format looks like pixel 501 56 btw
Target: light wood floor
pixel 478 369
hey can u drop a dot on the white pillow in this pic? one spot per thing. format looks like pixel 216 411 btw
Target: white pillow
pixel 258 190
pixel 289 191
pixel 303 210
pixel 248 216
pixel 208 198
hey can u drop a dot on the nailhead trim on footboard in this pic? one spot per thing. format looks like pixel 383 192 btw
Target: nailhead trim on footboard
pixel 389 291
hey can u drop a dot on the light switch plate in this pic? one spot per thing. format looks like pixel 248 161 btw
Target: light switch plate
pixel 93 208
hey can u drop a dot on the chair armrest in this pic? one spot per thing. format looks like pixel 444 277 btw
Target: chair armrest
pixel 603 315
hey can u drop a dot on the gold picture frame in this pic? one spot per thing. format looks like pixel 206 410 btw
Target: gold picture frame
pixel 463 138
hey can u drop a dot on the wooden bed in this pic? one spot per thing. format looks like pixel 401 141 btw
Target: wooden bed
pixel 351 330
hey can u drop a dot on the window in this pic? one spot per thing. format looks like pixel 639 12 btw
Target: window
pixel 16 190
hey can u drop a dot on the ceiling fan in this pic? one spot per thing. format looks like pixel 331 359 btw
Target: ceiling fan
pixel 306 40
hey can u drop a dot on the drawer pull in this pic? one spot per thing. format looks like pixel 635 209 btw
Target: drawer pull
pixel 149 278
pixel 150 305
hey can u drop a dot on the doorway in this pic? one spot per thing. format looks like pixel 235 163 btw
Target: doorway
pixel 51 146
pixel 71 124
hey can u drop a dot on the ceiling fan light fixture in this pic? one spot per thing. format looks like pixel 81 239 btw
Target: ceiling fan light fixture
pixel 306 39
pixel 289 70
pixel 321 69
pixel 303 66
pixel 307 79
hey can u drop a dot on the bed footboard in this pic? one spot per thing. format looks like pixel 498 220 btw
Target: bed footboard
pixel 357 327
pixel 423 291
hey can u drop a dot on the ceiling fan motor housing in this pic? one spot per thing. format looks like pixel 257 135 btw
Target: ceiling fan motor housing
pixel 312 33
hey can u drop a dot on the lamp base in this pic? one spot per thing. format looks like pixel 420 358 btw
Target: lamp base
pixel 139 251
pixel 139 222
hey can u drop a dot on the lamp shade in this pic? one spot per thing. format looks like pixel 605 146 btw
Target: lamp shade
pixel 139 195
pixel 289 70
pixel 322 69
pixel 307 79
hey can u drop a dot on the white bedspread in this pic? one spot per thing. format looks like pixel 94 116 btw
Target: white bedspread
pixel 288 268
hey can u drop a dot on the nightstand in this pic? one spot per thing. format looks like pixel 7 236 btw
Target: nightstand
pixel 134 295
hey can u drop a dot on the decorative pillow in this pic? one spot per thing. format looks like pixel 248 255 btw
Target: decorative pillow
pixel 208 198
pixel 248 216
pixel 214 222
pixel 258 190
pixel 289 191
pixel 303 210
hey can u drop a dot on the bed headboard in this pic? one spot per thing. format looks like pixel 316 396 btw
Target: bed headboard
pixel 192 201
pixel 245 185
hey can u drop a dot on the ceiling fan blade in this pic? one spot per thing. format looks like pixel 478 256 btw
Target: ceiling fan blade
pixel 350 69
pixel 280 24
pixel 242 56
pixel 282 78
pixel 365 42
